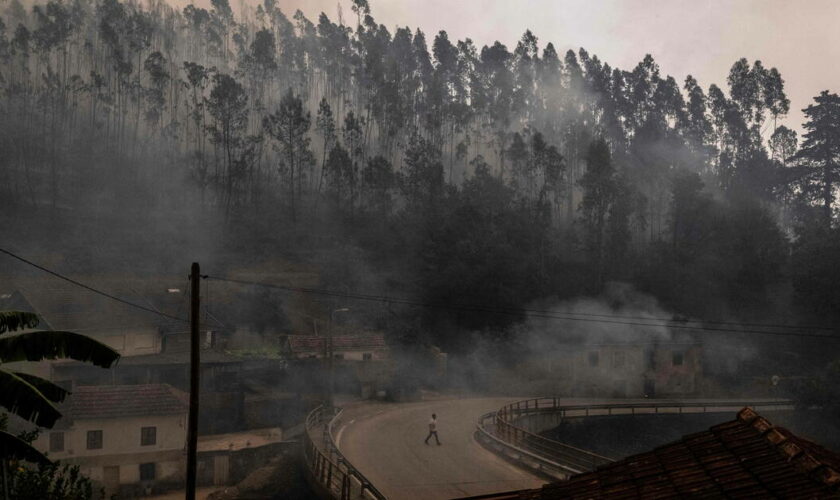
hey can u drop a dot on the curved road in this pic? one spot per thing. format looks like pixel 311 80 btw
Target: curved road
pixel 385 442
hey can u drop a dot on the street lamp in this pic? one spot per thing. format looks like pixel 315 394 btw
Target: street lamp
pixel 332 355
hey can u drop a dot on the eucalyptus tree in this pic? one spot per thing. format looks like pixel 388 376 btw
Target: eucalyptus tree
pixel 818 158
pixel 601 189
pixel 325 125
pixel 289 127
pixel 228 107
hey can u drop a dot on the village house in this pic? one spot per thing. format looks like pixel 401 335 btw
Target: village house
pixel 627 369
pixel 154 349
pixel 129 438
pixel 367 347
pixel 361 362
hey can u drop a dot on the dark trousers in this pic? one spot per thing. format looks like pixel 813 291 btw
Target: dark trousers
pixel 432 433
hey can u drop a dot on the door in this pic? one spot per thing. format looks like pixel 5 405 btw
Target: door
pixel 111 478
pixel 650 388
pixel 221 466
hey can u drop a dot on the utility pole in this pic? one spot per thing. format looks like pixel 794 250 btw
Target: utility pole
pixel 331 355
pixel 195 363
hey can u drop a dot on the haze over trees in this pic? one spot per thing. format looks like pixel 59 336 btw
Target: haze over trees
pixel 491 175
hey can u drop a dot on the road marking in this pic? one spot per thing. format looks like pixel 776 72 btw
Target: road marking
pixel 340 432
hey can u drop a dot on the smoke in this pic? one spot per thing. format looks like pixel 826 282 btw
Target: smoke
pixel 549 356
pixel 620 314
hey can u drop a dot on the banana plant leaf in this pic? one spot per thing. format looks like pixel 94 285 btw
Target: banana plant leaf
pixel 26 401
pixel 11 321
pixel 51 391
pixel 35 346
pixel 16 448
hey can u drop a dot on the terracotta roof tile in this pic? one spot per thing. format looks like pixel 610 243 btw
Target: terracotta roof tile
pixel 310 343
pixel 744 458
pixel 116 401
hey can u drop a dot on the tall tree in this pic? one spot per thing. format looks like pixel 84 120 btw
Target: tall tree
pixel 600 190
pixel 227 105
pixel 289 126
pixel 819 157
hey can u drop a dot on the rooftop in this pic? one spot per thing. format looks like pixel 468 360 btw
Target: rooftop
pixel 311 343
pixel 63 306
pixel 745 458
pixel 119 401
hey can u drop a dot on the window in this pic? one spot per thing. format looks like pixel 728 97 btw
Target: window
pixel 144 341
pixel 56 441
pixel 147 472
pixel 94 440
pixel 148 436
pixel 677 359
pixel 593 358
pixel 618 359
pixel 367 356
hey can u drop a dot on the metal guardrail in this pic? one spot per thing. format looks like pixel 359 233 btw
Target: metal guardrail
pixel 325 463
pixel 500 430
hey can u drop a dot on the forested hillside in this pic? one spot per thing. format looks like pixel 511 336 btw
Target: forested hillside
pixel 495 175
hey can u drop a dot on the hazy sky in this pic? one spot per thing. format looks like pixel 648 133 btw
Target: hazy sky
pixel 698 37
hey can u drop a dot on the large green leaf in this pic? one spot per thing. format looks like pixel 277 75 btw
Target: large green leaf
pixel 53 392
pixel 14 447
pixel 26 401
pixel 35 346
pixel 11 321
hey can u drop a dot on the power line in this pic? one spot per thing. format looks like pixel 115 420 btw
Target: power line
pixel 90 288
pixel 545 314
pixel 517 312
pixel 594 315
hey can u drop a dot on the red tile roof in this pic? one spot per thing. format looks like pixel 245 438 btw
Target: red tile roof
pixel 116 401
pixel 745 458
pixel 308 343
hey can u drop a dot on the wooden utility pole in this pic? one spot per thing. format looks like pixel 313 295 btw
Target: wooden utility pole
pixel 195 363
pixel 331 360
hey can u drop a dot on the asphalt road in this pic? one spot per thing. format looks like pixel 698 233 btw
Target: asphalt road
pixel 385 442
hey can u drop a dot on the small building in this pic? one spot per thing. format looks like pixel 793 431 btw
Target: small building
pixel 362 363
pixel 154 349
pixel 369 347
pixel 129 438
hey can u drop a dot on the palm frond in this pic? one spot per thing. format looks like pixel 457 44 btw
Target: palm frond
pixel 26 401
pixel 14 447
pixel 35 346
pixel 51 391
pixel 11 321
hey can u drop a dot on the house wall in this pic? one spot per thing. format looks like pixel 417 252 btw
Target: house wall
pixel 618 370
pixel 606 370
pixel 121 446
pixel 131 341
pixel 355 355
pixel 681 378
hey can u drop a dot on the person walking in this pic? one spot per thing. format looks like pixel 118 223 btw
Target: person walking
pixel 433 430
